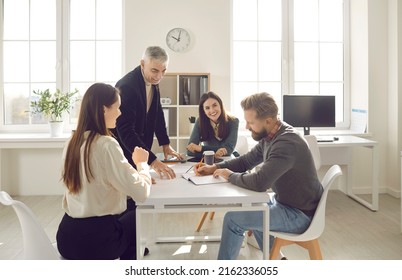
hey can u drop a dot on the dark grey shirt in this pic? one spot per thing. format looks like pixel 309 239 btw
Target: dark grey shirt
pixel 288 168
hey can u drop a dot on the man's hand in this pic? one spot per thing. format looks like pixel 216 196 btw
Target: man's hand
pixel 223 172
pixel 168 150
pixel 204 169
pixel 162 169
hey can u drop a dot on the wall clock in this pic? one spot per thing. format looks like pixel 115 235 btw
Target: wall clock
pixel 178 39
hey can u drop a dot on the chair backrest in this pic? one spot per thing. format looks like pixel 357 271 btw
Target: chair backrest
pixel 315 151
pixel 37 245
pixel 318 223
pixel 241 144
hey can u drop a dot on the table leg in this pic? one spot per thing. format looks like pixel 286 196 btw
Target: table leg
pixel 374 187
pixel 265 226
pixel 375 166
pixel 140 248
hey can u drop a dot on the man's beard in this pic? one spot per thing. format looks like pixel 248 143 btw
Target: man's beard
pixel 257 136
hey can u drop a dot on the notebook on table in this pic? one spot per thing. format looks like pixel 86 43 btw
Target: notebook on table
pixel 203 180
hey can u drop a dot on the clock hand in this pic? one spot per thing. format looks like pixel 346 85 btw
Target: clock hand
pixel 179 35
pixel 177 39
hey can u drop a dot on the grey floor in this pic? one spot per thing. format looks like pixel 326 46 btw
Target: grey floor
pixel 352 231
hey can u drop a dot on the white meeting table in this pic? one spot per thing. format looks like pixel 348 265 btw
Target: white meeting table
pixel 181 196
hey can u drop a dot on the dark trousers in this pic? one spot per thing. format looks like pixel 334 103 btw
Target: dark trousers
pixel 98 238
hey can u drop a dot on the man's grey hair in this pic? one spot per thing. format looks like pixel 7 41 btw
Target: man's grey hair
pixel 263 103
pixel 155 53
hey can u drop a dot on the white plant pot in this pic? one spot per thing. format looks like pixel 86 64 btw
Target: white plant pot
pixel 56 128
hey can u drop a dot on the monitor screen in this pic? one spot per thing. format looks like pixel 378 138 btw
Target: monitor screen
pixel 309 111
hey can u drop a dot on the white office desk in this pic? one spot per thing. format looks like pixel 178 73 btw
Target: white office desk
pixel 28 141
pixel 340 152
pixel 179 195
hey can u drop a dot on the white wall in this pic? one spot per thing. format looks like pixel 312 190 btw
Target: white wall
pixel 208 22
pixel 394 93
pixel 376 43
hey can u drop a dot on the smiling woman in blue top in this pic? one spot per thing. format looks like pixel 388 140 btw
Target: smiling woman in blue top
pixel 214 130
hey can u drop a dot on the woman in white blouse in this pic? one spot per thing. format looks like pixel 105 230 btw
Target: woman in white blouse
pixel 98 179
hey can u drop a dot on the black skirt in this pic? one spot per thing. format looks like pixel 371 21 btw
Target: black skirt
pixel 98 238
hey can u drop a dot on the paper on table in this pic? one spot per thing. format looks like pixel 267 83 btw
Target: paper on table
pixel 359 121
pixel 203 180
pixel 180 168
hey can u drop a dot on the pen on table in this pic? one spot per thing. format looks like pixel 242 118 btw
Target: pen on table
pixel 189 169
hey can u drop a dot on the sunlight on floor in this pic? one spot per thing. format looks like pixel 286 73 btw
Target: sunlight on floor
pixel 184 249
pixel 203 249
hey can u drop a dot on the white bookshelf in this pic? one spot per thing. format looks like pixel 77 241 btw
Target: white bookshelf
pixel 184 90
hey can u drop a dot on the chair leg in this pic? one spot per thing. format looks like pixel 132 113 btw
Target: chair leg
pixel 211 215
pixel 276 247
pixel 313 248
pixel 201 222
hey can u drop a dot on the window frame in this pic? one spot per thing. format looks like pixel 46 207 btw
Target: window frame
pixel 287 61
pixel 62 66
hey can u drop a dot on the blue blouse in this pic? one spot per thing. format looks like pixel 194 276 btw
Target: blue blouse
pixel 229 143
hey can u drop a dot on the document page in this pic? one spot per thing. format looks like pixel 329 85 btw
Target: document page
pixel 203 180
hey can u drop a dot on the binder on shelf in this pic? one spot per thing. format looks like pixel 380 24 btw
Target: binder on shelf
pixel 166 115
pixel 186 91
pixel 203 85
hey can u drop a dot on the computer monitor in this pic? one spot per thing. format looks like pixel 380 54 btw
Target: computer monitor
pixel 309 111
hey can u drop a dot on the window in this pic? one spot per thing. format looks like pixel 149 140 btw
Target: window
pixel 56 44
pixel 290 47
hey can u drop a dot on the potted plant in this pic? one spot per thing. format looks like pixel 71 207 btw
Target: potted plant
pixel 53 106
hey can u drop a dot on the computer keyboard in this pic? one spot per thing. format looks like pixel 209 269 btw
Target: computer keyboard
pixel 325 139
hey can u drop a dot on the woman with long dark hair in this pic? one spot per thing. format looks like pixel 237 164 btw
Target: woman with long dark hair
pixel 214 130
pixel 98 179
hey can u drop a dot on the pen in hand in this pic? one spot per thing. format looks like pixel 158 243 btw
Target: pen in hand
pixel 198 166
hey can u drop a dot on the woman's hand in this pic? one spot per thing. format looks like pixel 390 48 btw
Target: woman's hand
pixel 221 152
pixel 194 148
pixel 140 155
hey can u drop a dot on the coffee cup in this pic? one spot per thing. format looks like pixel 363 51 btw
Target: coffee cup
pixel 209 157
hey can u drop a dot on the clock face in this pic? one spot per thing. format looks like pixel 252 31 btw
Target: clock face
pixel 178 39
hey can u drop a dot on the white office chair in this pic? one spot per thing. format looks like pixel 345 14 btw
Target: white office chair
pixel 37 245
pixel 313 145
pixel 241 145
pixel 308 239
